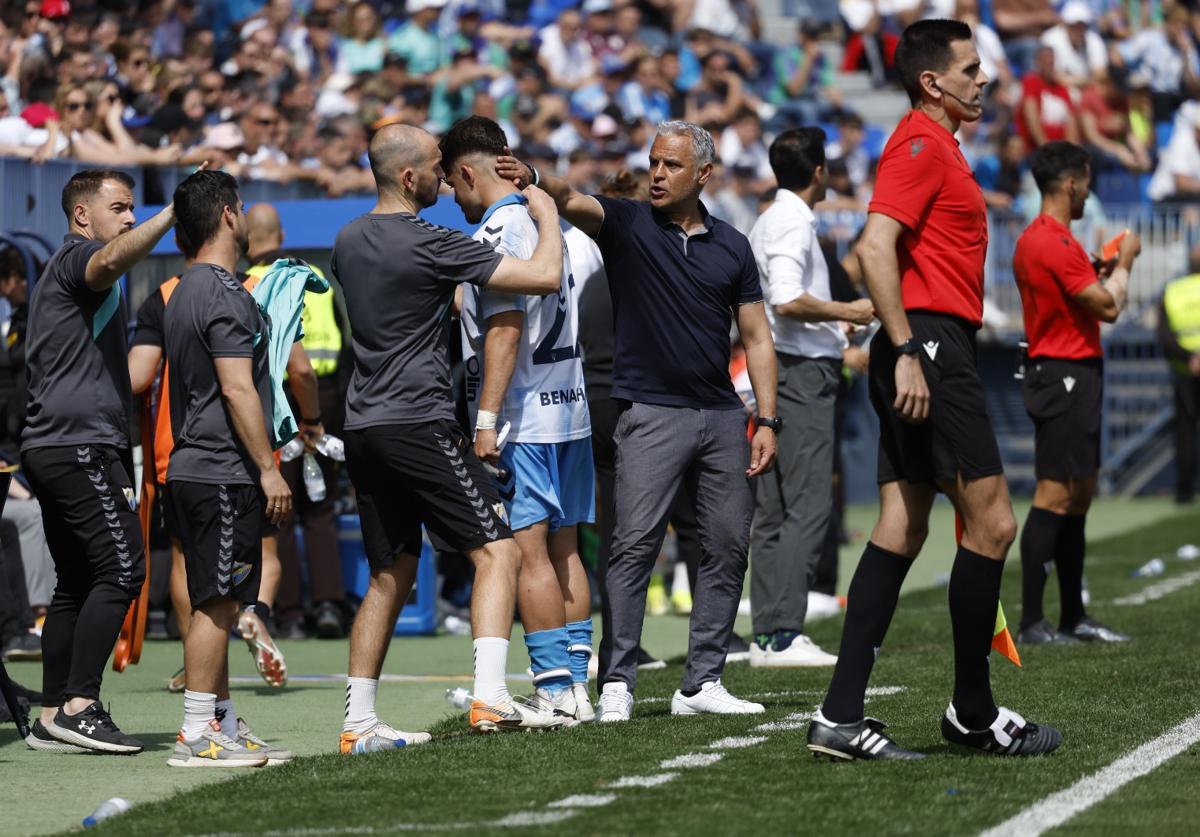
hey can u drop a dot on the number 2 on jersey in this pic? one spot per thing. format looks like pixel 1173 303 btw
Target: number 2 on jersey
pixel 546 351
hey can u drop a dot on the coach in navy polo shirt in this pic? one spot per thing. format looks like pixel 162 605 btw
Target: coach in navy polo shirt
pixel 678 278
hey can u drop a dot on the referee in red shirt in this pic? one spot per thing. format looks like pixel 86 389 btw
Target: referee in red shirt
pixel 1065 296
pixel 922 252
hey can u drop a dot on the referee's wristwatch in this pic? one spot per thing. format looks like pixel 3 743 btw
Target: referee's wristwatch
pixel 909 347
pixel 773 422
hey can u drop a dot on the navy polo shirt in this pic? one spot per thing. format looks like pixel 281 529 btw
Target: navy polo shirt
pixel 673 302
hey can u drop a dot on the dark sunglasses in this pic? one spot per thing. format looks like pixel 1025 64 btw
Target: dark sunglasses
pixel 266 123
pixel 73 106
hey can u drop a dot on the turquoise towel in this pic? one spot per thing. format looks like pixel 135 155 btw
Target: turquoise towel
pixel 280 296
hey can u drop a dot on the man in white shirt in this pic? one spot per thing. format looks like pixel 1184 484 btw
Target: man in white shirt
pixel 1178 174
pixel 1079 52
pixel 793 503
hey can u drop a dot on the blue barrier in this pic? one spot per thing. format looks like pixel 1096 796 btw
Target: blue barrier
pixel 419 615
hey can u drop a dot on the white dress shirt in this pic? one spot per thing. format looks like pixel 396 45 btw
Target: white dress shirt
pixel 791 264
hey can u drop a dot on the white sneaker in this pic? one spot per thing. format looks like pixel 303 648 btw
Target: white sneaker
pixel 560 704
pixel 616 703
pixel 713 698
pixel 584 711
pixel 801 653
pixel 822 606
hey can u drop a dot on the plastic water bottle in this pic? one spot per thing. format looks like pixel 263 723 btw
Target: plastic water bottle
pixel 314 480
pixel 333 447
pixel 1150 568
pixel 459 698
pixel 292 450
pixel 108 808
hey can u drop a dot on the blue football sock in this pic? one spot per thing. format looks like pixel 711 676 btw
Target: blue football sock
pixel 549 659
pixel 580 648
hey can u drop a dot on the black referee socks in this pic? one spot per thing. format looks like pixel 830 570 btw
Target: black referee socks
pixel 974 593
pixel 1072 543
pixel 1039 549
pixel 870 604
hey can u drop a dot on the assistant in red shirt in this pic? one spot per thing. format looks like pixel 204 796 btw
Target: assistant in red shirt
pixel 1052 268
pixel 1065 298
pixel 924 183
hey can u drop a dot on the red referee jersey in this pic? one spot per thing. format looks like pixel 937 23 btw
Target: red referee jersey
pixel 926 185
pixel 1051 268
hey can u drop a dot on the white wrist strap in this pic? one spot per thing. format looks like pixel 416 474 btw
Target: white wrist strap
pixel 486 420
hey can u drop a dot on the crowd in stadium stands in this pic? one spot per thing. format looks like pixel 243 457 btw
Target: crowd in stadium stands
pixel 290 90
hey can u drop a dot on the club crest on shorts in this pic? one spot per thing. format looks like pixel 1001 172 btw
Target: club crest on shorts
pixel 931 349
pixel 130 498
pixel 1069 383
pixel 240 573
pixel 498 508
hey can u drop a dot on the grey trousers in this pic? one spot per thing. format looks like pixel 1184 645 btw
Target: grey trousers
pixel 658 448
pixel 35 555
pixel 793 503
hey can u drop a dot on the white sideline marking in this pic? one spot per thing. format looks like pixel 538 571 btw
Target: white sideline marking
pixel 1160 589
pixel 583 800
pixel 737 742
pixel 874 691
pixel 524 818
pixel 651 781
pixel 796 720
pixel 1057 808
pixel 691 760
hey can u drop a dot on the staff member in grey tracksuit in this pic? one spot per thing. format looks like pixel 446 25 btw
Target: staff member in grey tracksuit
pixel 677 277
pixel 793 504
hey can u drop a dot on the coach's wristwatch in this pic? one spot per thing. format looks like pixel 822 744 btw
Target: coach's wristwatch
pixel 909 347
pixel 773 422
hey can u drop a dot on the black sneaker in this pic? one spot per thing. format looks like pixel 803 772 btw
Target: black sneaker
pixel 1089 630
pixel 39 739
pixel 23 646
pixel 94 729
pixel 1043 633
pixel 291 630
pixel 1009 735
pixel 329 622
pixel 863 739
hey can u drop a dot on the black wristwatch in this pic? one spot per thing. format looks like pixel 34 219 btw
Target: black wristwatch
pixel 773 422
pixel 909 347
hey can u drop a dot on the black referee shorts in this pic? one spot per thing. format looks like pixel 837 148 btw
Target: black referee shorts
pixel 1064 399
pixel 220 528
pixel 957 437
pixel 406 475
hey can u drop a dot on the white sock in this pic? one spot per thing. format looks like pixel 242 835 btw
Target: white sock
pixel 360 705
pixel 491 660
pixel 680 583
pixel 226 717
pixel 198 709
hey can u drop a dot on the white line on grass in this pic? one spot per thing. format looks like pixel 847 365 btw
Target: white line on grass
pixel 583 800
pixel 1057 808
pixel 796 720
pixel 691 760
pixel 651 781
pixel 737 742
pixel 1160 589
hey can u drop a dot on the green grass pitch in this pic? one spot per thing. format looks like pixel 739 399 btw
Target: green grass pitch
pixel 666 775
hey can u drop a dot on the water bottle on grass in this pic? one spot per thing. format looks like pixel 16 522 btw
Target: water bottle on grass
pixel 108 808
